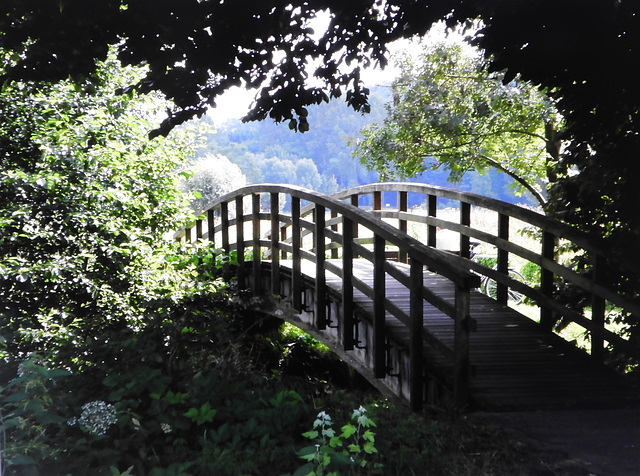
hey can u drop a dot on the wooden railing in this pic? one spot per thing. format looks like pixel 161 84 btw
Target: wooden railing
pixel 319 225
pixel 392 202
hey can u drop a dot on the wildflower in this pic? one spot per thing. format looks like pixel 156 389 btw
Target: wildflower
pixel 96 417
pixel 166 428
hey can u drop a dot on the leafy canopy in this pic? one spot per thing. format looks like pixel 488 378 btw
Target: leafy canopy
pixel 448 110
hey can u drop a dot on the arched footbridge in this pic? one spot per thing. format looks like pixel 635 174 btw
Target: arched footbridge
pixel 389 277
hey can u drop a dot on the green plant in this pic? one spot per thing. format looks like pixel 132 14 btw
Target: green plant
pixel 335 453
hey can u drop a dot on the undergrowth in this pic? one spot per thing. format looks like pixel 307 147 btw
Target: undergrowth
pixel 201 386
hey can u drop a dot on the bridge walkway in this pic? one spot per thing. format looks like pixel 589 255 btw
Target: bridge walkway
pixel 415 325
pixel 516 365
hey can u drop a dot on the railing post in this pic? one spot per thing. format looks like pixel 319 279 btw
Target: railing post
pixel 416 315
pixel 403 206
pixel 275 244
pixel 377 200
pixel 211 227
pixel 283 239
pixel 355 201
pixel 224 226
pixel 187 234
pixel 296 278
pixel 334 227
pixel 347 324
pixel 321 283
pixel 255 206
pixel 465 219
pixel 546 279
pixel 240 242
pixel 379 295
pixel 461 348
pixel 502 292
pixel 198 229
pixel 432 209
pixel 597 311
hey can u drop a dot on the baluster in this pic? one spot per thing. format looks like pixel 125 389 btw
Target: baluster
pixel 403 206
pixel 334 227
pixel 597 311
pixel 432 208
pixel 187 234
pixel 240 243
pixel 211 227
pixel 283 239
pixel 198 229
pixel 255 205
pixel 224 223
pixel 546 279
pixel 355 201
pixel 465 219
pixel 275 245
pixel 347 284
pixel 416 314
pixel 321 285
pixel 379 295
pixel 461 348
pixel 503 258
pixel 296 277
pixel 377 200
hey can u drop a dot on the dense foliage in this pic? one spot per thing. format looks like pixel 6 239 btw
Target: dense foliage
pixel 448 111
pixel 83 204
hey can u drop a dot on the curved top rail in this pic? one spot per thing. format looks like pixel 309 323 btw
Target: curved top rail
pixel 450 266
pixel 597 283
pixel 583 240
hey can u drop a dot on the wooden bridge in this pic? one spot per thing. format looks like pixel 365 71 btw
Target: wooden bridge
pixel 362 271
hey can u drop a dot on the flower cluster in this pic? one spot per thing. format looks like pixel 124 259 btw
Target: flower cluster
pixel 96 417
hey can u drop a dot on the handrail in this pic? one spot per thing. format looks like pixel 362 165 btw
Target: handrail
pixel 286 234
pixel 552 271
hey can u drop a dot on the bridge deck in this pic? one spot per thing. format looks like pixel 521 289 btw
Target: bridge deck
pixel 516 365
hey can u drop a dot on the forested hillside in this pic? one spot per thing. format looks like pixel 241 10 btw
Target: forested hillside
pixel 322 158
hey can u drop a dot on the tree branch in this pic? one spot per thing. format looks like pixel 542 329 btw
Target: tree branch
pixel 536 194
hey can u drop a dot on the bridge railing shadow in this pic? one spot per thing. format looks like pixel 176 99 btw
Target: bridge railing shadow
pixel 323 232
pixel 563 257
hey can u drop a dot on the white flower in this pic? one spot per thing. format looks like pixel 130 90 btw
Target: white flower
pixel 166 428
pixel 96 417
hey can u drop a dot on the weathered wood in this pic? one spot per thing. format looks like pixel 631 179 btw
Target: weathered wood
pixel 461 372
pixel 211 228
pixel 503 258
pixel 403 205
pixel 240 242
pixel 347 285
pixel 394 345
pixel 295 245
pixel 546 279
pixel 379 313
pixel 416 315
pixel 321 293
pixel 275 243
pixel 224 218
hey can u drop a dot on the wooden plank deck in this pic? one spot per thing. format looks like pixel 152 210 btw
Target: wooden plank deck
pixel 516 365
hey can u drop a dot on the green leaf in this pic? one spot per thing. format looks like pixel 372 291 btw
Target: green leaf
pixel 348 430
pixel 313 434
pixel 335 442
pixel 369 448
